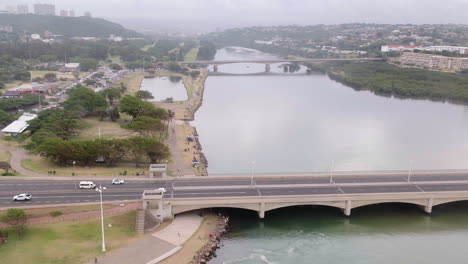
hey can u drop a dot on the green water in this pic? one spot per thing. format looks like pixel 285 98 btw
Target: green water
pixel 384 234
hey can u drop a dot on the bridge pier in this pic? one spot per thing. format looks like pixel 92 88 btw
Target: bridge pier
pixel 215 68
pixel 347 209
pixel 428 207
pixel 261 213
pixel 267 67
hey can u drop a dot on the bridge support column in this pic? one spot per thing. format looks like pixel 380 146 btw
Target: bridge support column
pixel 428 208
pixel 347 210
pixel 215 68
pixel 267 67
pixel 261 213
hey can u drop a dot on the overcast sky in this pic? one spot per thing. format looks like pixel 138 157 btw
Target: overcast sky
pixel 226 13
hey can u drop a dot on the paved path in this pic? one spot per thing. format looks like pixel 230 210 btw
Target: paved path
pixel 82 215
pixel 18 155
pixel 158 246
pixel 178 161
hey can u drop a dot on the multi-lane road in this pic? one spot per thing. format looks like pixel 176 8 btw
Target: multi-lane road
pixel 47 192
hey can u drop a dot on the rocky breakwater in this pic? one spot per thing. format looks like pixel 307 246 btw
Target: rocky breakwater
pixel 208 251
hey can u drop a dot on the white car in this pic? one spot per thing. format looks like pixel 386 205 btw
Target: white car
pixel 160 190
pixel 22 197
pixel 87 185
pixel 117 181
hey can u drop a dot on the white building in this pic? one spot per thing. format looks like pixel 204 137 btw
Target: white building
pixel 461 50
pixel 19 126
pixel 399 48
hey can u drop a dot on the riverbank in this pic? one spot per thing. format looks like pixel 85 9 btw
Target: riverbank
pixel 402 82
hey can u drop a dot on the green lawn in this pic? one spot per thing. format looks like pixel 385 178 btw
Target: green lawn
pixel 41 74
pixel 191 55
pixel 68 242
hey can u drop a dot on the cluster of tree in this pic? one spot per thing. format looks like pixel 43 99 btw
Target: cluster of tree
pixel 12 69
pixel 17 103
pixel 6 118
pixel 112 150
pixel 16 218
pixel 207 50
pixel 85 101
pixel 67 26
pixel 52 123
pixel 135 107
pixel 389 80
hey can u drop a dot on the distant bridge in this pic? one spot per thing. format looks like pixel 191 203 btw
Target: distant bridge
pixel 269 62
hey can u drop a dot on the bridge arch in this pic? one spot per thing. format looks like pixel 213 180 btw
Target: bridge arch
pixel 182 209
pixel 447 201
pixel 359 204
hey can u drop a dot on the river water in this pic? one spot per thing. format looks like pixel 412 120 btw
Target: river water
pixel 299 123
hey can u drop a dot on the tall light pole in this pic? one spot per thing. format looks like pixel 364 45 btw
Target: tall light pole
pixel 409 170
pixel 100 189
pixel 252 165
pixel 331 171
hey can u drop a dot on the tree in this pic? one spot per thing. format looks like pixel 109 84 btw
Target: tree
pixel 112 150
pixel 111 94
pixel 115 67
pixel 5 118
pixel 139 147
pixel 87 64
pixel 16 218
pixel 194 74
pixel 158 152
pixel 142 94
pixel 131 105
pixel 147 126
pixel 85 101
pixel 114 114
pixel 50 76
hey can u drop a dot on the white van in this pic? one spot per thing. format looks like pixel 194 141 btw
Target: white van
pixel 87 185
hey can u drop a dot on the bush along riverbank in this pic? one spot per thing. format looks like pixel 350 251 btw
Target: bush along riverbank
pixel 208 251
pixel 389 80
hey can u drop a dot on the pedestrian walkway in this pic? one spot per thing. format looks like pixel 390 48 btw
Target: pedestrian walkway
pixel 157 246
pixel 78 216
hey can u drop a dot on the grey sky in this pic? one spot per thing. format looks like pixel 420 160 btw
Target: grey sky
pixel 267 12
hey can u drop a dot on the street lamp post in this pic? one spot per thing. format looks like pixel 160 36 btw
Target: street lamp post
pixel 409 170
pixel 252 165
pixel 331 171
pixel 74 168
pixel 100 189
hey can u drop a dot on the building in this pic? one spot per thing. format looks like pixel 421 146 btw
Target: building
pixel 6 28
pixel 88 14
pixel 70 67
pixel 29 88
pixel 435 62
pixel 71 13
pixel 63 13
pixel 44 9
pixel 23 9
pixel 19 126
pixel 398 48
pixel 461 50
pixel 10 9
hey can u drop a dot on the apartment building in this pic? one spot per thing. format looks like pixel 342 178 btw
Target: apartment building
pixel 435 62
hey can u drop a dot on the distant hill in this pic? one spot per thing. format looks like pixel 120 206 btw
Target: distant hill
pixel 67 26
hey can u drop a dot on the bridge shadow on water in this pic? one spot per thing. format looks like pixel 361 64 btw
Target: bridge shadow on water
pixel 386 218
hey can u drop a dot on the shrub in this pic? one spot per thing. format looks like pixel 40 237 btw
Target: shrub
pixel 8 174
pixel 56 213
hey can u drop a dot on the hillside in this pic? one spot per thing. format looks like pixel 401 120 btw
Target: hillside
pixel 66 26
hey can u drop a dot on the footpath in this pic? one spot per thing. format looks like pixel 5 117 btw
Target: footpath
pixel 78 216
pixel 158 246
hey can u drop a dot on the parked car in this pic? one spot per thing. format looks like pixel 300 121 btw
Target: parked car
pixel 87 185
pixel 117 181
pixel 22 197
pixel 100 160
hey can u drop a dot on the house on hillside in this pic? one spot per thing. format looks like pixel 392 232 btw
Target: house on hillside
pixel 70 68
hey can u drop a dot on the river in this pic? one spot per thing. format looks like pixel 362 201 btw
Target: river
pixel 300 123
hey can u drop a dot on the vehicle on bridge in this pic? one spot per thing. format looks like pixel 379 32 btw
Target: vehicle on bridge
pixel 22 197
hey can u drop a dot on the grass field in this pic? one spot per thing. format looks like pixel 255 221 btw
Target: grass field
pixel 191 55
pixel 133 82
pixel 43 165
pixel 5 156
pixel 90 128
pixel 12 84
pixel 68 242
pixel 35 74
pixel 72 209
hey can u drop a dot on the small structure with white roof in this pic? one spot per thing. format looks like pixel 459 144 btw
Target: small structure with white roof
pixel 19 126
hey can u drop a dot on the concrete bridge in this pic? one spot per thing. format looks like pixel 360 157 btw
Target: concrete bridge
pixel 269 62
pixel 425 192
